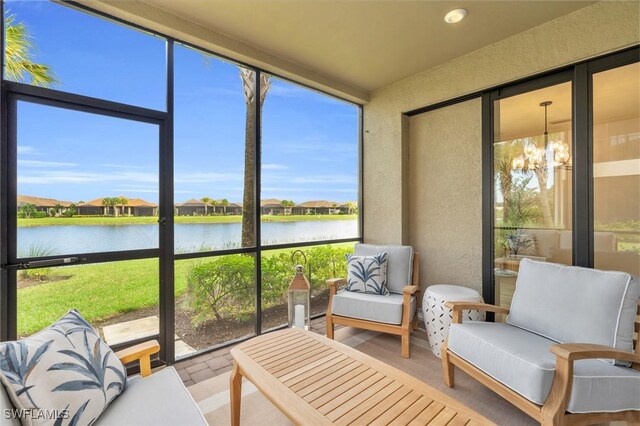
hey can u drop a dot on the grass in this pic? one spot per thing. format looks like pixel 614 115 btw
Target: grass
pixel 100 291
pixel 149 220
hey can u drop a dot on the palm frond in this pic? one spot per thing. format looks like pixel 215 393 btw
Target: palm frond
pixel 19 57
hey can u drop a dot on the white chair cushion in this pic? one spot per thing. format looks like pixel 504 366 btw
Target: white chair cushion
pixel 575 305
pixel 546 241
pixel 160 399
pixel 370 307
pixel 399 263
pixel 521 361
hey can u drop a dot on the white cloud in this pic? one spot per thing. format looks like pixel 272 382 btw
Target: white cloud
pixel 271 166
pixel 207 177
pixel 47 177
pixel 150 191
pixel 36 163
pixel 25 149
pixel 314 144
pixel 121 166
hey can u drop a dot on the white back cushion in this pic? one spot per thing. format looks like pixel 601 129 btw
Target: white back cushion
pixel 546 240
pixel 399 263
pixel 570 304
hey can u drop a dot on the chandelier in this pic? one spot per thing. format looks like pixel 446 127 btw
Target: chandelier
pixel 534 157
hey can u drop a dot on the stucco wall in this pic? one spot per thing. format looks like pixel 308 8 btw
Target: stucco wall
pixel 445 199
pixel 589 32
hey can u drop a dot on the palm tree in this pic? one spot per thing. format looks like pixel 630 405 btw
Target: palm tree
pixel 224 203
pixel 114 202
pixel 248 78
pixel 206 201
pixel 19 64
pixel 350 206
pixel 285 204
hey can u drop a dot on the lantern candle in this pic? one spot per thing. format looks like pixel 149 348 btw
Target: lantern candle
pixel 299 317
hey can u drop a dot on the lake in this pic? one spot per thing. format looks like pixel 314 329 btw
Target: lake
pixel 61 240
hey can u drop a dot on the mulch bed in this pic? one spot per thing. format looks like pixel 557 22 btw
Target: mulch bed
pixel 217 332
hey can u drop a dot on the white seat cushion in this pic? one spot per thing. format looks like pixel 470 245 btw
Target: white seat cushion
pixel 370 307
pixel 159 399
pixel 521 361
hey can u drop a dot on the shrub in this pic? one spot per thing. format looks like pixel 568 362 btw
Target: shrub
pixel 323 262
pixel 222 288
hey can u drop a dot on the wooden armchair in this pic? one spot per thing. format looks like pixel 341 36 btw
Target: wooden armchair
pixel 397 313
pixel 141 353
pixel 561 404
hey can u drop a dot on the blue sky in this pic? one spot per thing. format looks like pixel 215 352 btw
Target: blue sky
pixel 309 140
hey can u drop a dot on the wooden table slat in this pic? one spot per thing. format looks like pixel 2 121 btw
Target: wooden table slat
pixel 412 412
pixel 293 370
pixel 285 349
pixel 331 400
pixel 388 416
pixel 374 412
pixel 428 414
pixel 315 368
pixel 319 373
pixel 332 381
pixel 271 342
pixel 292 343
pixel 330 391
pixel 296 356
pixel 360 398
pixel 444 417
pixel 363 408
pixel 459 420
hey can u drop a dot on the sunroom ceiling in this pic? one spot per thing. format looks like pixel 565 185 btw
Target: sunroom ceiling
pixel 366 44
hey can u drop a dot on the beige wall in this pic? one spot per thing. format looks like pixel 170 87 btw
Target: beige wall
pixel 589 32
pixel 445 199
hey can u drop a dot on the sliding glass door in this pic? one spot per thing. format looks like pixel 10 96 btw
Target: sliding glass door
pixel 562 172
pixel 616 169
pixel 532 153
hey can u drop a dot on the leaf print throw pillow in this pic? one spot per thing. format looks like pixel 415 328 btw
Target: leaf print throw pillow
pixel 367 274
pixel 63 375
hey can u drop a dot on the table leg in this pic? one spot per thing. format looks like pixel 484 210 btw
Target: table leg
pixel 235 391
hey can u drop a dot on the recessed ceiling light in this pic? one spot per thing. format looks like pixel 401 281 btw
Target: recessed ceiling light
pixel 455 15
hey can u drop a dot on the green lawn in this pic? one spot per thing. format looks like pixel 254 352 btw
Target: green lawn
pixel 98 291
pixel 142 220
pixel 101 291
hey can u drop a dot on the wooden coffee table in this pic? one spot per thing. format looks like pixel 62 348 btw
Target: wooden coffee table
pixel 317 381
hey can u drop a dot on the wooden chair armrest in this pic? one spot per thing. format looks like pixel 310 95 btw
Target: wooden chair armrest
pixel 141 352
pixel 333 284
pixel 458 307
pixel 411 289
pixel 577 351
pixel 554 408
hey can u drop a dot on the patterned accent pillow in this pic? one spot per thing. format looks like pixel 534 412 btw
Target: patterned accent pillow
pixel 63 375
pixel 521 244
pixel 367 274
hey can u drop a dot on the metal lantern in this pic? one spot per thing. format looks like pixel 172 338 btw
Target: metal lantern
pixel 299 296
